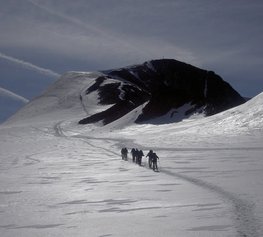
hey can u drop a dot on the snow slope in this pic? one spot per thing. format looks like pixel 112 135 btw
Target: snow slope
pixel 23 79
pixel 9 103
pixel 59 178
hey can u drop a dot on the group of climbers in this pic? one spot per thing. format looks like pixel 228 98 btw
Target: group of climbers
pixel 137 157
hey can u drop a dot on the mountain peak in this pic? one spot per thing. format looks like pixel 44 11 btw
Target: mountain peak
pixel 164 87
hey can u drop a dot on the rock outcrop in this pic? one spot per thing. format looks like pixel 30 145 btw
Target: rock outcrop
pixel 163 86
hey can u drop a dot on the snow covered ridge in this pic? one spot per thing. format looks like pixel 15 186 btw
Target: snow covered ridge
pixel 156 92
pixel 61 99
pixel 166 87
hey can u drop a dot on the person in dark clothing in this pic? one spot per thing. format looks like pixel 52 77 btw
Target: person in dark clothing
pixel 124 153
pixel 150 154
pixel 154 162
pixel 136 155
pixel 133 152
pixel 139 157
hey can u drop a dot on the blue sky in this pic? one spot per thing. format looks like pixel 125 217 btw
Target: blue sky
pixel 41 39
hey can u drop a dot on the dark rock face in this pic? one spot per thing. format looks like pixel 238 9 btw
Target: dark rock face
pixel 165 85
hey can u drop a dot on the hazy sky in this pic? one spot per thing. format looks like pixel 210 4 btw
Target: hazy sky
pixel 51 37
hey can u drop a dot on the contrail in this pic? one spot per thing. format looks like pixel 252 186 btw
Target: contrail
pixel 13 95
pixel 90 28
pixel 68 18
pixel 30 66
pixel 105 33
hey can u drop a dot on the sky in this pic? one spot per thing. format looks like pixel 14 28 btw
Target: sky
pixel 42 39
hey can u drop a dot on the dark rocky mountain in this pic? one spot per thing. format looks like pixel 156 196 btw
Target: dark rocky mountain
pixel 162 86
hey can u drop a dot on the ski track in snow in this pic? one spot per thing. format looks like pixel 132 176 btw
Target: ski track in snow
pixel 245 222
pixel 59 132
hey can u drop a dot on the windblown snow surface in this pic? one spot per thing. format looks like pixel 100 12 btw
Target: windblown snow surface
pixel 59 178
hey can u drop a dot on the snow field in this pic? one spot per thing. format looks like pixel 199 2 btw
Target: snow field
pixel 75 186
pixel 59 178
